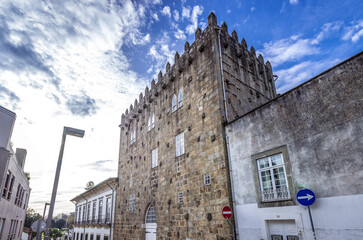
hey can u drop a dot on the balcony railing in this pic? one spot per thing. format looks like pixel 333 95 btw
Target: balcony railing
pixel 279 194
pixel 95 221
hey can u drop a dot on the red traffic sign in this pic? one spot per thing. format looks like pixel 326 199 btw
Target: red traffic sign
pixel 227 212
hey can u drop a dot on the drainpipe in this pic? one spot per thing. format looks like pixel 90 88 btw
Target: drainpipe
pixel 113 191
pixel 84 228
pixel 227 140
pixel 232 188
pixel 221 63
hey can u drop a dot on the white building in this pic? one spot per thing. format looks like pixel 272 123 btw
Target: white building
pixel 310 137
pixel 95 212
pixel 14 184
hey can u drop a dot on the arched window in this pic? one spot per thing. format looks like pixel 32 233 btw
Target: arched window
pixel 153 121
pixel 180 98
pixel 150 215
pixel 174 106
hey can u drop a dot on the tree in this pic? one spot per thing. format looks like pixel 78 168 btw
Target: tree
pixel 55 232
pixel 31 216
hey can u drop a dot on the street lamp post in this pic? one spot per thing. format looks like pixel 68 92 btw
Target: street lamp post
pixel 66 131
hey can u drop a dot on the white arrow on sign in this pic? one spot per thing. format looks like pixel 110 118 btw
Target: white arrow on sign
pixel 308 197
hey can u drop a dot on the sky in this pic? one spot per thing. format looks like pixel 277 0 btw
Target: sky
pixel 82 63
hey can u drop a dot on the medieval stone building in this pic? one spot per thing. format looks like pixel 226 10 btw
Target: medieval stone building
pixel 173 165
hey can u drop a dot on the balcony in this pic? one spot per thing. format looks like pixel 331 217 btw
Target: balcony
pixel 279 194
pixel 97 220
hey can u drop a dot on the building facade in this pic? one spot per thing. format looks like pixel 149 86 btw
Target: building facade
pixel 310 137
pixel 173 165
pixel 94 212
pixel 15 188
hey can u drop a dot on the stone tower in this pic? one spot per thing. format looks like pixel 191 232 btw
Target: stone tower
pixel 173 165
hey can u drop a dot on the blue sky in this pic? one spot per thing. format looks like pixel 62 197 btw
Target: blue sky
pixel 81 64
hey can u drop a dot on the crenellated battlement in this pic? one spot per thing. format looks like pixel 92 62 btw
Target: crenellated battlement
pixel 233 53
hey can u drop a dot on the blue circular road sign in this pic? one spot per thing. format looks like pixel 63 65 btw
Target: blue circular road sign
pixel 305 197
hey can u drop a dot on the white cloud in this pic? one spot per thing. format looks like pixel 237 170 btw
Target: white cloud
pixel 155 16
pixel 197 10
pixel 253 9
pixel 72 66
pixel 185 12
pixel 179 34
pixel 161 53
pixel 327 29
pixel 354 32
pixel 166 11
pixel 294 2
pixel 176 15
pixel 288 49
pixel 299 73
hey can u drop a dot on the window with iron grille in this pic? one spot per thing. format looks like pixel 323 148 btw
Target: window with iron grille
pixel 150 216
pixel 207 179
pixel 272 176
pixel 180 197
pixel 132 203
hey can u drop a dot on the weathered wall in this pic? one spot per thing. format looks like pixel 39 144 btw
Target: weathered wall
pixel 321 124
pixel 201 118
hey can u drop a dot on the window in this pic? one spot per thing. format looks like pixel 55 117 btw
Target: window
pixel 132 203
pixel 84 213
pixel 105 237
pixel 98 237
pixel 272 176
pixel 133 136
pixel 179 139
pixel 2 223
pixel 94 210
pixel 82 236
pixel 6 186
pixel 151 122
pixel 178 165
pixel 91 236
pixel 77 236
pixel 207 179
pixel 100 206
pixel 79 213
pixel 86 236
pixel 150 216
pixel 180 197
pixel 173 103
pixel 108 209
pixel 154 158
pixel 25 201
pixel 180 99
pixel 89 212
pixel 18 192
pixel 10 187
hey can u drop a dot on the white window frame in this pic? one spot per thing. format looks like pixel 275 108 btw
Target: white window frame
pixel 154 158
pixel 174 105
pixel 132 203
pixel 151 122
pixel 180 197
pixel 179 144
pixel 273 192
pixel 207 179
pixel 180 98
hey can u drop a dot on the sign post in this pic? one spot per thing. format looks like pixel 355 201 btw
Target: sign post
pixel 227 214
pixel 306 197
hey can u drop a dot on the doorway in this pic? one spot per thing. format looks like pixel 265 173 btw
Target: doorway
pixel 150 223
pixel 283 230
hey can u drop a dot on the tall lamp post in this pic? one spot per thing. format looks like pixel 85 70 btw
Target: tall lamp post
pixel 66 131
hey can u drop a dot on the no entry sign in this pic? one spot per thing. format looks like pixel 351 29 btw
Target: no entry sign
pixel 227 212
